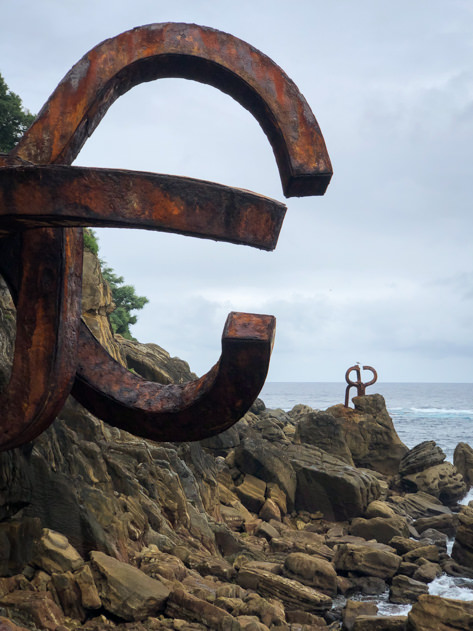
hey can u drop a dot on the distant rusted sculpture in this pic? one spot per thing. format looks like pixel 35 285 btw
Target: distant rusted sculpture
pixel 44 202
pixel 358 384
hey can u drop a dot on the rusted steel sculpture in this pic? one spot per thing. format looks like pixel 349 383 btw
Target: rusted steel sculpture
pixel 44 202
pixel 358 384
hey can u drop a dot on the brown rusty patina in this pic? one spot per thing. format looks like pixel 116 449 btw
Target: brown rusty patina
pixel 177 412
pixel 44 202
pixel 79 196
pixel 358 384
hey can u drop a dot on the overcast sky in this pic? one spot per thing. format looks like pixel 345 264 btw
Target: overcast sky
pixel 379 270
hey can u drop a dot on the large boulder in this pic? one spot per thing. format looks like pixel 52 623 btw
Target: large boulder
pixel 379 508
pixel 154 363
pixel 291 593
pixel 367 559
pixel 446 523
pixel 422 456
pixel 37 609
pixel 54 553
pixel 312 479
pixel 126 591
pixel 329 485
pixel 370 434
pixel 312 571
pixel 382 529
pixel 463 461
pixel 462 551
pixel 442 481
pixel 419 505
pixel 434 613
pixel 322 430
pixel 405 590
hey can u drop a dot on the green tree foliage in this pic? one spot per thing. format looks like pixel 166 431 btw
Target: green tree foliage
pixel 124 296
pixel 125 300
pixel 90 241
pixel 14 119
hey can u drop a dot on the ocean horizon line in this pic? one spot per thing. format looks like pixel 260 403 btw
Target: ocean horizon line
pixel 465 383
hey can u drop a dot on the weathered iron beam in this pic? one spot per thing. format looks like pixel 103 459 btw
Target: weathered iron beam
pixel 48 317
pixel 76 196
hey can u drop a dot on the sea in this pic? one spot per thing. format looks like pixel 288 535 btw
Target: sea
pixel 420 411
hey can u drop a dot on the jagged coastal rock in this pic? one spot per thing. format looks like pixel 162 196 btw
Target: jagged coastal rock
pixel 283 522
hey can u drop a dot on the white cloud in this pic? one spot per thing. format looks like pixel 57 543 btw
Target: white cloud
pixel 379 270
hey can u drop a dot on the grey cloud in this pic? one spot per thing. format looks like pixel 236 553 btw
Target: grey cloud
pixel 379 269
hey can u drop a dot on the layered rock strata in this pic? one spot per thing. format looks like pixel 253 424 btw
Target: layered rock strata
pixel 283 522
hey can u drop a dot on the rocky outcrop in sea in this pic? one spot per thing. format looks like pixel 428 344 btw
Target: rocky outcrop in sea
pixel 287 521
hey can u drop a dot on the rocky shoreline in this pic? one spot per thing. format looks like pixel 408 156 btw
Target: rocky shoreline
pixel 287 521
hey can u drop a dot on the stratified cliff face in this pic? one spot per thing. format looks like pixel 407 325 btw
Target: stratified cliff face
pixel 258 528
pixel 97 303
pixel 7 332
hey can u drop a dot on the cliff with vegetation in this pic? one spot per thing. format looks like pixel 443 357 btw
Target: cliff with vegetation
pixel 287 521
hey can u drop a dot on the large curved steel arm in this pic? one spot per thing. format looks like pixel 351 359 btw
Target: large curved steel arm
pixel 192 52
pixel 179 412
pixel 47 292
pixel 60 130
pixel 35 196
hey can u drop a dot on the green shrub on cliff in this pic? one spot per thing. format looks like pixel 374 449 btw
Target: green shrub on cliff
pixel 90 241
pixel 125 300
pixel 124 296
pixel 14 119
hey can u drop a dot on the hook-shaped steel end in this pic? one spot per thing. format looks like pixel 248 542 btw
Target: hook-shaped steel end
pixel 179 412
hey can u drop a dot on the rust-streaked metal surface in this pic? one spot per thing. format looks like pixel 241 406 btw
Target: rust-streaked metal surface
pixel 48 318
pixel 78 196
pixel 43 200
pixel 193 52
pixel 178 412
pixel 358 384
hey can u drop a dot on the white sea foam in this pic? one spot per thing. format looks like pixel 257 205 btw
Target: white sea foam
pixel 385 608
pixel 468 497
pixel 442 411
pixel 450 587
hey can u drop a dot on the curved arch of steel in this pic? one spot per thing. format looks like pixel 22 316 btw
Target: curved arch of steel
pixel 191 52
pixel 46 282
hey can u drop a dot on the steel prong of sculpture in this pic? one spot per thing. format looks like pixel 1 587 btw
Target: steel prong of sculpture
pixel 358 384
pixel 44 201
